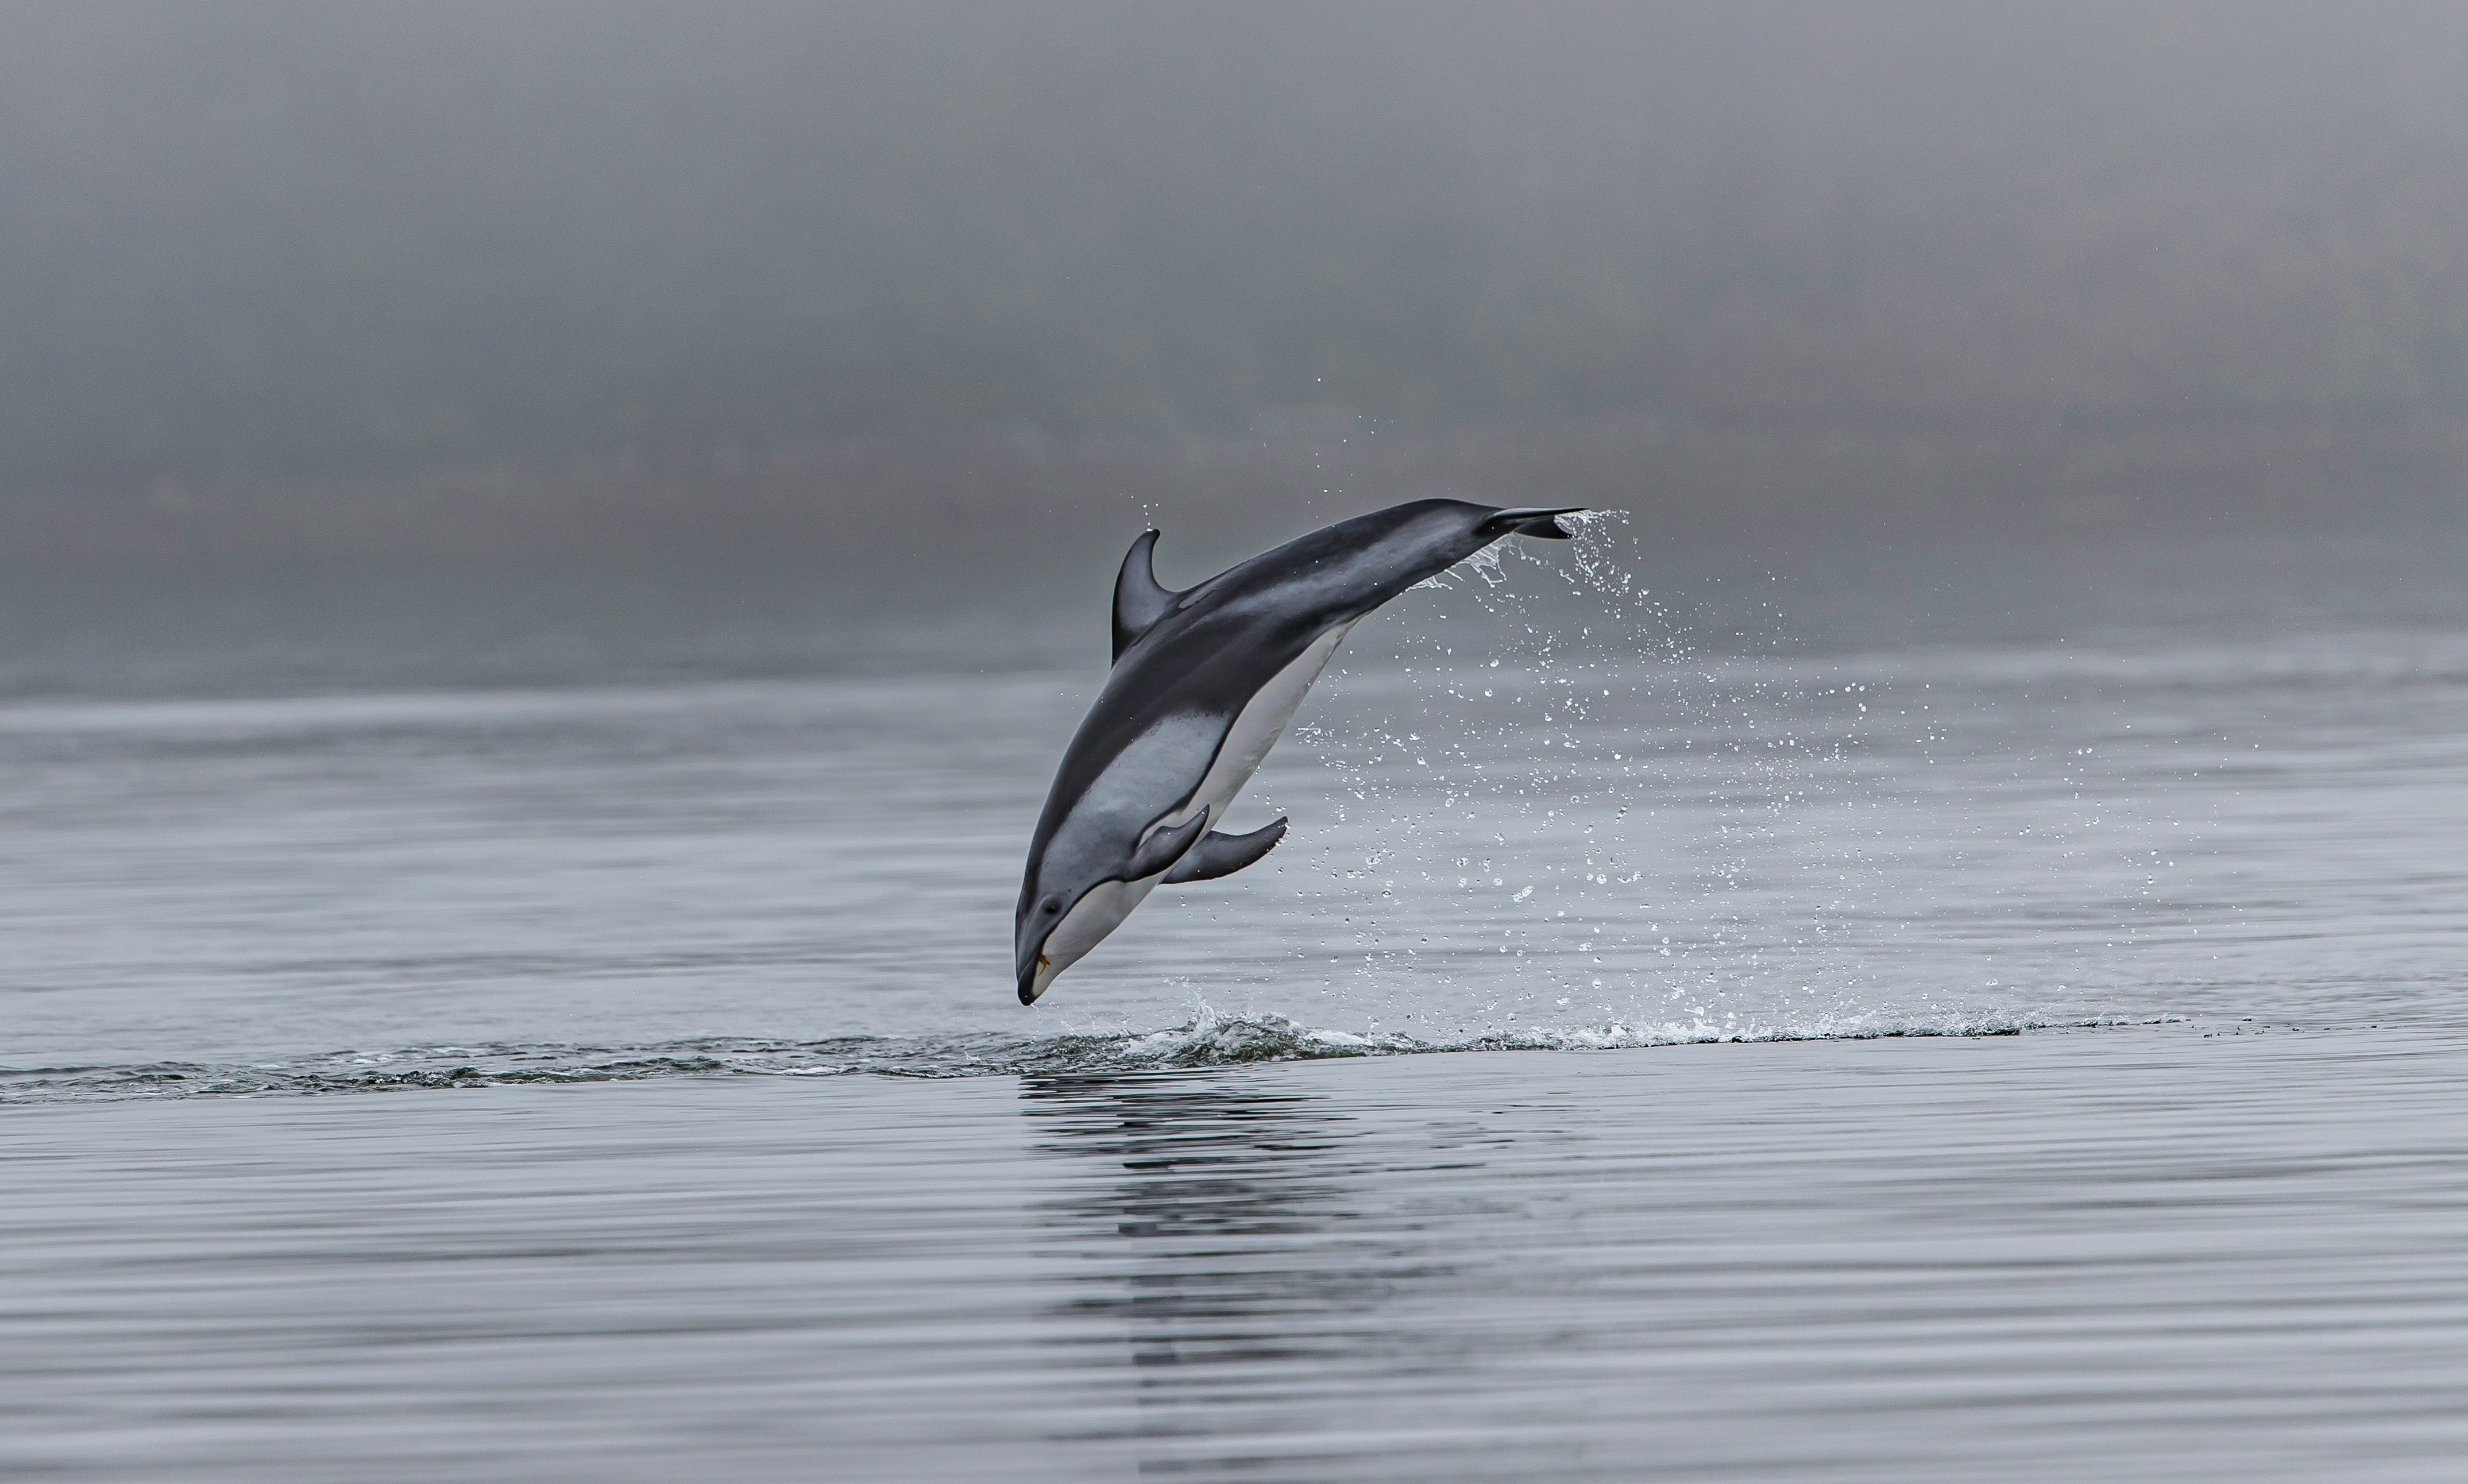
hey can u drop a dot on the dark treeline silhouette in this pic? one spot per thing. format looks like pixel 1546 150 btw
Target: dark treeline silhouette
pixel 254 244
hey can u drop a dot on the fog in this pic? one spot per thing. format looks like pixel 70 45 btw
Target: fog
pixel 331 274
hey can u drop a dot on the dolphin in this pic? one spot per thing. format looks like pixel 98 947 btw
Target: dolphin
pixel 1204 681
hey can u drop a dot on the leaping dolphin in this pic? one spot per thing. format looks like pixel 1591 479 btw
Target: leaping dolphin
pixel 1204 681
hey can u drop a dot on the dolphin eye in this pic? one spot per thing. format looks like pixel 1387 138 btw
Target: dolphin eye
pixel 1050 905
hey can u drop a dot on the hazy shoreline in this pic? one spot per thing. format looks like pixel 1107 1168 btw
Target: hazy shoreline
pixel 990 495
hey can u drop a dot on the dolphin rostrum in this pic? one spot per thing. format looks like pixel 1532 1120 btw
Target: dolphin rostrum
pixel 1204 681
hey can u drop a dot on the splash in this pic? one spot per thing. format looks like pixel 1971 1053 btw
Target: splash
pixel 1564 806
pixel 1207 1041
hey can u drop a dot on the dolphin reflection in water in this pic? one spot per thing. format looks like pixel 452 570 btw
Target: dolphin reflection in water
pixel 1204 681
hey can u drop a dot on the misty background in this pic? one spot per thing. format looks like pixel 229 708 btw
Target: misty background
pixel 502 279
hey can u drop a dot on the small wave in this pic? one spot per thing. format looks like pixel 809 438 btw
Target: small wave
pixel 1206 1041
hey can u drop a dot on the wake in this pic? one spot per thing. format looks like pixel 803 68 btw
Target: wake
pixel 1207 1041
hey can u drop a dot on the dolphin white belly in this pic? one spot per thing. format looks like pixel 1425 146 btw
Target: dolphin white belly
pixel 1263 720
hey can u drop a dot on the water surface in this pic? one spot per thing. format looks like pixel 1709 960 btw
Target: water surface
pixel 1835 1022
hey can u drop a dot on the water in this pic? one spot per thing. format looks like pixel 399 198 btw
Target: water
pixel 1999 1019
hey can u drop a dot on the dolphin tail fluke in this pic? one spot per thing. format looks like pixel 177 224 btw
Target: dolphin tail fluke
pixel 1223 855
pixel 1535 521
pixel 1140 600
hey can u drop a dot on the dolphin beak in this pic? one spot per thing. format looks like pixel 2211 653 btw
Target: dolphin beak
pixel 1035 975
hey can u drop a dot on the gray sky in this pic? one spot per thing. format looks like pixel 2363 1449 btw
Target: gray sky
pixel 281 240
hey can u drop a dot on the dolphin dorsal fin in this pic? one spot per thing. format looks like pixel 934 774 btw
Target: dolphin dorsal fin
pixel 1139 599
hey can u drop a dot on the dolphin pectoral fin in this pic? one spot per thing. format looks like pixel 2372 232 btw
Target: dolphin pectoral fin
pixel 1223 855
pixel 1140 600
pixel 1164 847
pixel 1535 521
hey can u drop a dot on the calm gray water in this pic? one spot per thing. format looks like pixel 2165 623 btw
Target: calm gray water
pixel 1998 1019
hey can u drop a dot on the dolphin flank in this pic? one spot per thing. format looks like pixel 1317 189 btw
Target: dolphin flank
pixel 1204 681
